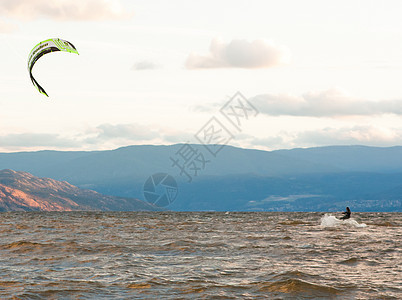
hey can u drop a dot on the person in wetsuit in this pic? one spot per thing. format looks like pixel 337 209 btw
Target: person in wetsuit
pixel 346 214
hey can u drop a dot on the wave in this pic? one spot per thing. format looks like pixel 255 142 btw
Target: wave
pixel 294 222
pixel 23 246
pixel 332 221
pixel 351 261
pixel 385 224
pixel 301 288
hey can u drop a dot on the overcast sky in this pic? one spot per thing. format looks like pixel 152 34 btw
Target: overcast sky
pixel 156 72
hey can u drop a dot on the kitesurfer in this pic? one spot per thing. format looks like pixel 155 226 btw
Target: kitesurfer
pixel 346 214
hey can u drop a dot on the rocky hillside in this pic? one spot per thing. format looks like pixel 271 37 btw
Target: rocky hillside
pixel 21 191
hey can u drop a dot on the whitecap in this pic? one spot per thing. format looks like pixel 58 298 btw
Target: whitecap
pixel 332 221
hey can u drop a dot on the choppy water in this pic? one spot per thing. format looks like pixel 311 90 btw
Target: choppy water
pixel 160 255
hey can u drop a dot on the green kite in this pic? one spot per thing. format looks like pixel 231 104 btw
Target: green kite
pixel 45 47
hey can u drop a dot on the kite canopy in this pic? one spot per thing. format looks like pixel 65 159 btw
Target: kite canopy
pixel 45 47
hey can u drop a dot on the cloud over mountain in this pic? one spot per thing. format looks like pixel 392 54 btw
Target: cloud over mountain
pixel 363 134
pixel 347 135
pixel 105 135
pixel 240 54
pixel 327 103
pixel 28 140
pixel 124 131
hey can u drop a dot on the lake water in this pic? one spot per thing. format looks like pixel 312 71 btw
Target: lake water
pixel 171 255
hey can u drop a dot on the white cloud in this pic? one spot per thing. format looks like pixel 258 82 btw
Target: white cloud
pixel 31 140
pixel 145 65
pixel 131 132
pixel 356 135
pixel 240 54
pixel 134 133
pixel 328 103
pixel 104 136
pixel 101 136
pixel 64 10
pixel 349 135
pixel 108 136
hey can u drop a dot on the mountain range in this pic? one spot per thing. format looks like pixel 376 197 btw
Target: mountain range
pixel 21 191
pixel 310 179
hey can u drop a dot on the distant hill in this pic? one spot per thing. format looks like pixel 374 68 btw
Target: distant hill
pixel 21 191
pixel 322 178
pixel 144 160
